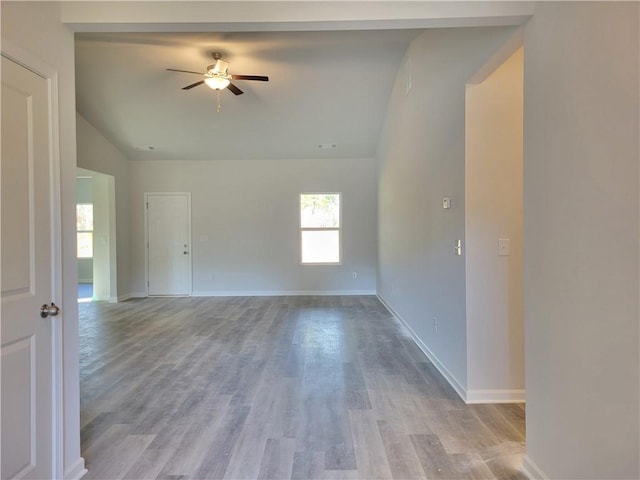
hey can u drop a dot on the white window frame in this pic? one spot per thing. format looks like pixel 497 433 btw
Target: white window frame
pixel 320 229
pixel 85 231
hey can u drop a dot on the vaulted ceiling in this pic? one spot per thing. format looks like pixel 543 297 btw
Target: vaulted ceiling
pixel 325 88
pixel 331 67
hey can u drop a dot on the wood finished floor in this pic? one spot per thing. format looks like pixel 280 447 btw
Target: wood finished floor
pixel 276 388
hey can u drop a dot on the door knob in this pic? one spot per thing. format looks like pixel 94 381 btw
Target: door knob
pixel 49 310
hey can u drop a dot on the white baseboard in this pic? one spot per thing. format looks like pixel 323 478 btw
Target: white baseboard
pixel 449 377
pixel 469 396
pixel 495 396
pixel 75 471
pixel 259 293
pixel 531 470
pixel 280 293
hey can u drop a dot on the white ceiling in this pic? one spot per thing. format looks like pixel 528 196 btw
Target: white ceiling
pixel 326 87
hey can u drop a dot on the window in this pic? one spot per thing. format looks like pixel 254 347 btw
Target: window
pixel 84 228
pixel 320 227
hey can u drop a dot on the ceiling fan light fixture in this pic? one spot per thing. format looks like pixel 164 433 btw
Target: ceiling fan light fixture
pixel 217 78
pixel 217 81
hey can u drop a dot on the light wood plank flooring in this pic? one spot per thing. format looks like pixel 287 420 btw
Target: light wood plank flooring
pixel 276 388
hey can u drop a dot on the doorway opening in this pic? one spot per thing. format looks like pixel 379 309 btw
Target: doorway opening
pixel 494 230
pixel 96 236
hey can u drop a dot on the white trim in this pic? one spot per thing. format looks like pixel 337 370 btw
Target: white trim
pixel 50 74
pixel 122 298
pixel 496 396
pixel 75 471
pixel 146 238
pixel 302 229
pixel 469 396
pixel 531 470
pixel 449 377
pixel 134 295
pixel 258 293
pixel 281 293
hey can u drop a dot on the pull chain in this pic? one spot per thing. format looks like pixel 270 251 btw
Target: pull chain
pixel 218 109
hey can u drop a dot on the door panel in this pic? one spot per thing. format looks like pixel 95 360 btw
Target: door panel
pixel 169 244
pixel 26 339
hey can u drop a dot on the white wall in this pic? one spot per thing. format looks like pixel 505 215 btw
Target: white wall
pixel 104 238
pixel 493 210
pixel 96 153
pixel 421 160
pixel 35 28
pixel 581 255
pixel 245 223
pixel 581 252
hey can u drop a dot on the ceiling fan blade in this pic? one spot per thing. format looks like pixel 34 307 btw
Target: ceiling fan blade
pixel 189 87
pixel 235 89
pixel 260 78
pixel 183 71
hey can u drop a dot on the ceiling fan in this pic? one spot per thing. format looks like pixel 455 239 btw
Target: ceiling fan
pixel 217 77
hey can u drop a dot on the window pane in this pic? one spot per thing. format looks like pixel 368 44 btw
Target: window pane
pixel 320 210
pixel 321 246
pixel 85 244
pixel 84 217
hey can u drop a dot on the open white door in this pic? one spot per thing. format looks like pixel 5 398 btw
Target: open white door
pixel 168 243
pixel 27 276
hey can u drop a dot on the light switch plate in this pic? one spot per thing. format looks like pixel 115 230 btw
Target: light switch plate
pixel 446 202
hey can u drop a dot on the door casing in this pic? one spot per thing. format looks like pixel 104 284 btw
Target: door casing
pixel 50 74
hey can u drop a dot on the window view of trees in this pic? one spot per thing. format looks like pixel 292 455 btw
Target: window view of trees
pixel 320 210
pixel 320 227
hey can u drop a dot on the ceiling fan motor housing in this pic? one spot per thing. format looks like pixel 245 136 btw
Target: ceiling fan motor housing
pixel 219 67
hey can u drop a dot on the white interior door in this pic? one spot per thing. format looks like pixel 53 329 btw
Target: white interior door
pixel 169 243
pixel 26 339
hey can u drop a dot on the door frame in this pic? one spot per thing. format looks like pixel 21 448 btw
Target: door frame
pixel 50 74
pixel 146 237
pixel 108 204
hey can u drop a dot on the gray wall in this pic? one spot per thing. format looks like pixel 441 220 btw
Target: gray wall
pixel 581 239
pixel 245 223
pixel 96 153
pixel 422 160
